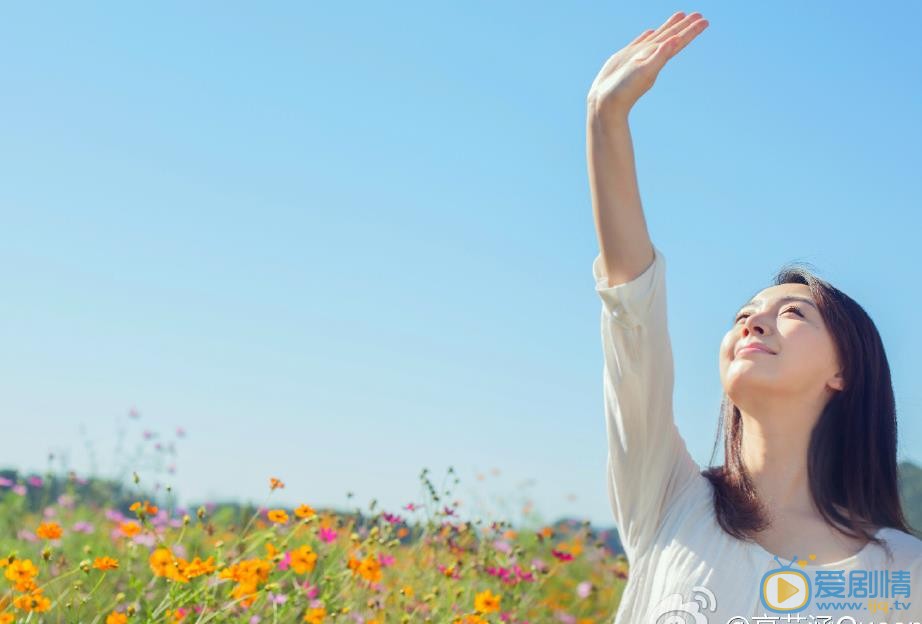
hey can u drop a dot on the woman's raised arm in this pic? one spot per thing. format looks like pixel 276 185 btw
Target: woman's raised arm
pixel 649 466
pixel 624 242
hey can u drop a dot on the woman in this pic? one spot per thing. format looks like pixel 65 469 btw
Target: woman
pixel 804 516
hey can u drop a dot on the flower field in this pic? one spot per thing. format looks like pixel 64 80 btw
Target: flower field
pixel 75 560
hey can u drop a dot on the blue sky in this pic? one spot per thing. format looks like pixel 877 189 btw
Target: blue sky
pixel 341 243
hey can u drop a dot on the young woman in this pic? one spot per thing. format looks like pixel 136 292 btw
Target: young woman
pixel 804 515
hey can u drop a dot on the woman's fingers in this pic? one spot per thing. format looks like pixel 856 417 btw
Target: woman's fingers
pixel 641 37
pixel 688 33
pixel 673 19
pixel 675 27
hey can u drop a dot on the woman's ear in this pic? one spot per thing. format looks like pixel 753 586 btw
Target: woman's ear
pixel 837 382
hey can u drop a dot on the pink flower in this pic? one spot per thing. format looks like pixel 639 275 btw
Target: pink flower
pixel 285 561
pixel 563 556
pixel 4 482
pixel 311 590
pixel 35 481
pixel 502 546
pixel 49 512
pixel 67 501
pixel 82 527
pixel 277 598
pixel 386 560
pixel 19 489
pixel 584 589
pixel 327 535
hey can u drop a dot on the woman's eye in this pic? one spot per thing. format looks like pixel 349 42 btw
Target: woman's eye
pixel 790 309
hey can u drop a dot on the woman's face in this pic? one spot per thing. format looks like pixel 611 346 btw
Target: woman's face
pixel 803 360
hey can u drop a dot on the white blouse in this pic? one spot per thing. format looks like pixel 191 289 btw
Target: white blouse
pixel 684 569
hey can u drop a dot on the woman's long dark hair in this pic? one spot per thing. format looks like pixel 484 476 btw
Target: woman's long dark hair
pixel 851 458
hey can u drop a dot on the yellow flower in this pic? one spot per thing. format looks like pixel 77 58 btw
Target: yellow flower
pixel 370 569
pixel 315 616
pixel 487 602
pixel 303 559
pixel 33 601
pixel 105 563
pixel 305 511
pixel 7 618
pixel 278 516
pixel 116 618
pixel 470 619
pixel 161 562
pixel 49 530
pixel 145 507
pixel 130 528
pixel 22 572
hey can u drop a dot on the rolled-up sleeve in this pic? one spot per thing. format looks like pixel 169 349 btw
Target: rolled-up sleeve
pixel 648 462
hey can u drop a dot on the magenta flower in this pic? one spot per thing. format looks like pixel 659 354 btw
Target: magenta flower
pixel 285 562
pixel 35 481
pixel 311 590
pixel 327 535
pixel 386 560
pixel 4 482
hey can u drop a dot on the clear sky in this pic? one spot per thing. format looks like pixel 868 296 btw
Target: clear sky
pixel 339 243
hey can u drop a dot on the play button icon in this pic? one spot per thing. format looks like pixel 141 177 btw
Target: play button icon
pixel 785 590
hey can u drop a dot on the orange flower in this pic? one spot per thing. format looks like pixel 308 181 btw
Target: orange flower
pixel 303 559
pixel 305 511
pixel 105 563
pixel 116 618
pixel 49 530
pixel 370 569
pixel 161 562
pixel 470 619
pixel 33 601
pixel 145 508
pixel 315 616
pixel 7 618
pixel 486 602
pixel 278 516
pixel 22 572
pixel 275 484
pixel 130 528
pixel 197 567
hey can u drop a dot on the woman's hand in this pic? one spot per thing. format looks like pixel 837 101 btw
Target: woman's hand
pixel 632 70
